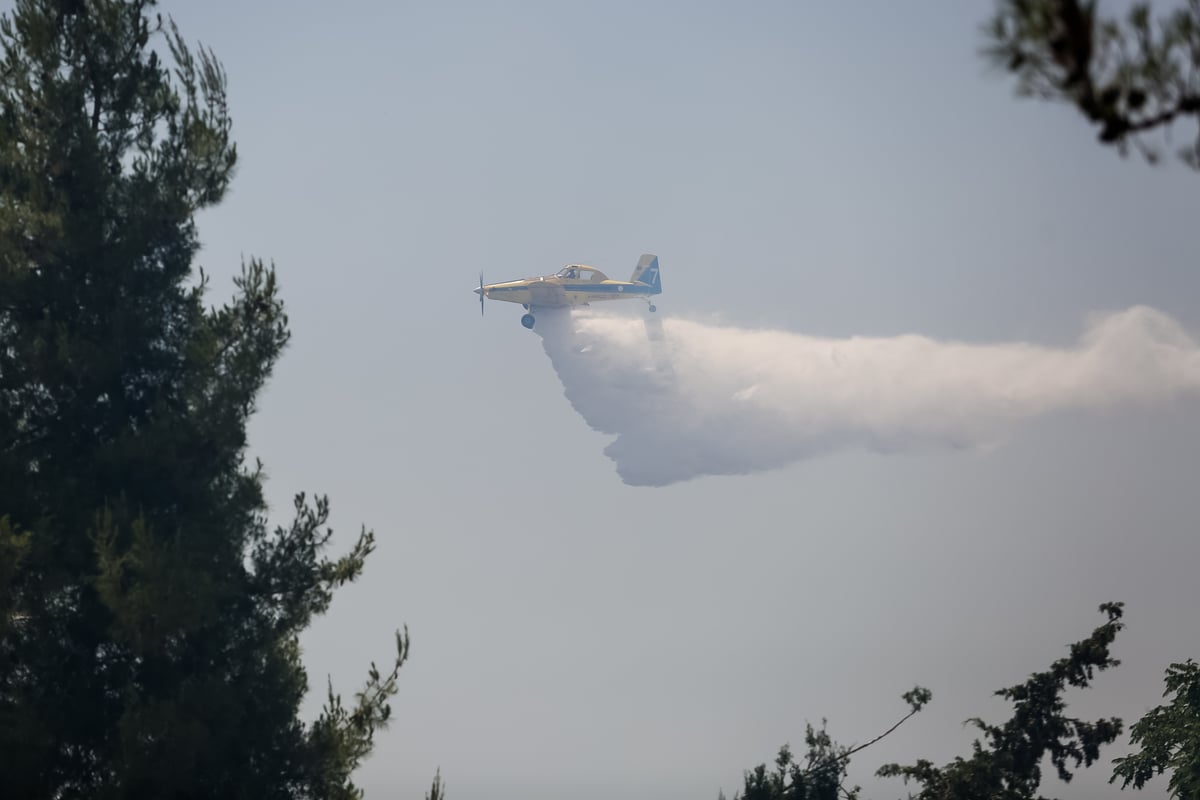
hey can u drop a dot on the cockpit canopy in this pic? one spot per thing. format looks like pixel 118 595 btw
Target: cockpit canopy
pixel 580 272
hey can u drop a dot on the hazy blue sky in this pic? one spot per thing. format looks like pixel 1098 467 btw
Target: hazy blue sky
pixel 824 169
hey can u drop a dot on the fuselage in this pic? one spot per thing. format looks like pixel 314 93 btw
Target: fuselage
pixel 573 285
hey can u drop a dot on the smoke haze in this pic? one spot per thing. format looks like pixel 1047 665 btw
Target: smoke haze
pixel 686 399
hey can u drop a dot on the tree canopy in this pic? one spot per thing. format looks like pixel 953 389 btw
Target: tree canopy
pixel 149 615
pixel 1169 736
pixel 1128 76
pixel 1006 765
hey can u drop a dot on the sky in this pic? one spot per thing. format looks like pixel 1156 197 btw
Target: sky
pixel 813 177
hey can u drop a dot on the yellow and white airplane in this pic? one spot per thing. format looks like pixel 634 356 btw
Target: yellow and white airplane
pixel 574 285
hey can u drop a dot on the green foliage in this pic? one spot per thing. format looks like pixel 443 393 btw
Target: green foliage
pixel 1127 76
pixel 1008 764
pixel 1169 736
pixel 149 618
pixel 438 790
pixel 819 777
pixel 822 774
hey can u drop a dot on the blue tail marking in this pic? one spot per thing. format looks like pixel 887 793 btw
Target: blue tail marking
pixel 647 273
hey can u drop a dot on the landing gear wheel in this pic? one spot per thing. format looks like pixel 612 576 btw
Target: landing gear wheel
pixel 527 321
pixel 653 307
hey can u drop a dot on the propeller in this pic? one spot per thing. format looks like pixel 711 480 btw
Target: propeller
pixel 479 291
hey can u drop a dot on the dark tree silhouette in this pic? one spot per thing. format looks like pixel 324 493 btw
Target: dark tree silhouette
pixel 1129 77
pixel 149 618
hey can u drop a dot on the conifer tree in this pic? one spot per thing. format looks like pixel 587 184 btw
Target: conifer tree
pixel 149 616
pixel 1129 77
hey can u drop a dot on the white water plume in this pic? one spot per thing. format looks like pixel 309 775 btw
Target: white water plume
pixel 686 399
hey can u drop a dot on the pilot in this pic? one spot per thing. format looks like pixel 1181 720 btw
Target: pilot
pixel 572 273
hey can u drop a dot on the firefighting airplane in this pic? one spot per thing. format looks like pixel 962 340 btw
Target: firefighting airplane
pixel 574 285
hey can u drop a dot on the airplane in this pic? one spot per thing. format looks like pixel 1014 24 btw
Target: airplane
pixel 574 285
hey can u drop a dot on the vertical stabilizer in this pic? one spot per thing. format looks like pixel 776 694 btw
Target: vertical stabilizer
pixel 647 272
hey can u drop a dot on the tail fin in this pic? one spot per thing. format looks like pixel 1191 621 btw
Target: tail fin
pixel 647 272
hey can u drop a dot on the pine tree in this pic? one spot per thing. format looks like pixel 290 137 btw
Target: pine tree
pixel 1128 77
pixel 149 616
